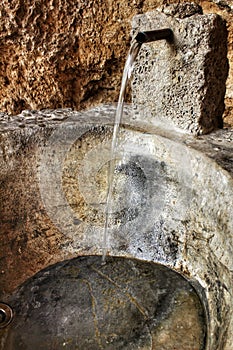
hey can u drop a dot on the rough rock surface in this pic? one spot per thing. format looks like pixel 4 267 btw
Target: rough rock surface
pixel 178 79
pixel 71 54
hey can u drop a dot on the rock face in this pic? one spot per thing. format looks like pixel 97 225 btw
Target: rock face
pixel 178 79
pixel 71 54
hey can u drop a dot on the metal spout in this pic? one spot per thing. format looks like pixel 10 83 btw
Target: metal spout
pixel 153 35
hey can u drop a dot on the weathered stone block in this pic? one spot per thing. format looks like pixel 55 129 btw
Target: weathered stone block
pixel 184 81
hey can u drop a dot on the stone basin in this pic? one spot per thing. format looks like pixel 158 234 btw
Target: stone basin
pixel 124 304
pixel 172 206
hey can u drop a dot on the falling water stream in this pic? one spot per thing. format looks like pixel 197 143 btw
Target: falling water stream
pixel 133 52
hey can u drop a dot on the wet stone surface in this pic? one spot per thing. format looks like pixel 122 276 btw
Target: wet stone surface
pixel 124 304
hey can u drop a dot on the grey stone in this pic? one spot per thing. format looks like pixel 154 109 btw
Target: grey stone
pixel 184 81
pixel 124 304
pixel 173 200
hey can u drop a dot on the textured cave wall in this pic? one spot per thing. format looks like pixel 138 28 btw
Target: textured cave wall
pixel 71 53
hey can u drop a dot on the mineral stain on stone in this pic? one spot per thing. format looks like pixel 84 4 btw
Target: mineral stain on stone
pixel 124 304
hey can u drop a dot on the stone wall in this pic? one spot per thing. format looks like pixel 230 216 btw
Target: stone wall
pixel 71 53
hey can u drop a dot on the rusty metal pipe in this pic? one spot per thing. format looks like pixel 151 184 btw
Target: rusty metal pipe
pixel 153 35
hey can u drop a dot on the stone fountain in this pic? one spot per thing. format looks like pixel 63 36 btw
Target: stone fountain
pixel 171 210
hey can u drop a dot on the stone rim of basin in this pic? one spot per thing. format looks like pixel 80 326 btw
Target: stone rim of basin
pixel 205 250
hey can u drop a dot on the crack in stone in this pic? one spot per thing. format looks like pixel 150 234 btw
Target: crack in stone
pixel 132 299
pixel 95 318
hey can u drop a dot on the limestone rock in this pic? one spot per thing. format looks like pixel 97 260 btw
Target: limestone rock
pixel 225 10
pixel 174 200
pixel 182 81
pixel 71 54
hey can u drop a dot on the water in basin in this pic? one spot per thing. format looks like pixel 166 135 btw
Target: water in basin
pixel 124 304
